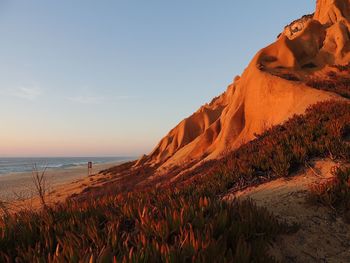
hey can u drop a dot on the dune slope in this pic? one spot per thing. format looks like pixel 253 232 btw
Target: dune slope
pixel 322 236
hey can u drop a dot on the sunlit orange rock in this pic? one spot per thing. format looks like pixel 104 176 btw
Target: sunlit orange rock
pixel 262 97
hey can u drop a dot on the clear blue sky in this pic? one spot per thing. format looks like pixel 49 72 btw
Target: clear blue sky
pixel 90 78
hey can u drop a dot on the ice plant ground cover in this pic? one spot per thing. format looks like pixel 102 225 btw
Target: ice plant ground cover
pixel 185 222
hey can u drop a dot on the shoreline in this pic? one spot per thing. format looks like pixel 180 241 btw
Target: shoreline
pixel 20 186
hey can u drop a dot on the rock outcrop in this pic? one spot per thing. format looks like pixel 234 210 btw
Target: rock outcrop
pixel 334 15
pixel 330 12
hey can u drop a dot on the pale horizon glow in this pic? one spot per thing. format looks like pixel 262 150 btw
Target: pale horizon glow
pixel 82 78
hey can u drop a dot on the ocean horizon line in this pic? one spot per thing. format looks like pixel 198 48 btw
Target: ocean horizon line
pixel 10 165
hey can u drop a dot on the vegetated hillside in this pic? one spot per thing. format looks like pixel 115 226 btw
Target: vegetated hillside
pixel 168 206
pixel 131 176
pixel 287 148
pixel 283 79
pixel 308 63
pixel 188 221
pixel 324 231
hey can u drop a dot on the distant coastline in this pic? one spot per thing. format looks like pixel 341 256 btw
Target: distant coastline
pixel 20 184
pixel 14 165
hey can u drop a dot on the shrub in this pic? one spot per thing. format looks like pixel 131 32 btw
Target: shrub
pixel 335 192
pixel 339 85
pixel 343 67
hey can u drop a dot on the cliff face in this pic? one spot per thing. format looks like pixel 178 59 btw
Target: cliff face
pixel 334 15
pixel 263 96
pixel 329 12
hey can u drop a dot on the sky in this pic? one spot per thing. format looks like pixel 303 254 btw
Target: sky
pixel 111 78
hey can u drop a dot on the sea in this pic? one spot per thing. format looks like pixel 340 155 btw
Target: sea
pixel 18 165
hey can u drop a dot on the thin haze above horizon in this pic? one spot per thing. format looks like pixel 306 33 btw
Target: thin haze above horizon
pixel 81 78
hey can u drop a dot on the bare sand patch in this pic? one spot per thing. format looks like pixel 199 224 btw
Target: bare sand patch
pixel 322 237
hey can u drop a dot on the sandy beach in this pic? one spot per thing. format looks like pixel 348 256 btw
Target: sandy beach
pixel 17 186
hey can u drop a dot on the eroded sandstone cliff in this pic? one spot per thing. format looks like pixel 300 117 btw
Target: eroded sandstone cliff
pixel 271 90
